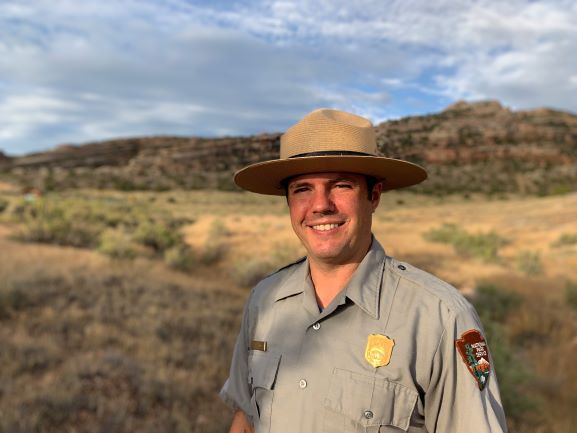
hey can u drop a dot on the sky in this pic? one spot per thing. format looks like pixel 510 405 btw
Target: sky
pixel 73 72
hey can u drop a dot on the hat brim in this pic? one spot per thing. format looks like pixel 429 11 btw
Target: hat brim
pixel 266 177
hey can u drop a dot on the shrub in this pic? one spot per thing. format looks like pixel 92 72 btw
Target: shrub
pixel 484 246
pixel 445 234
pixel 250 272
pixel 12 299
pixel 529 263
pixel 60 232
pixel 515 376
pixel 157 235
pixel 494 303
pixel 218 229
pixel 3 204
pixel 565 239
pixel 117 244
pixel 212 253
pixel 571 294
pixel 180 257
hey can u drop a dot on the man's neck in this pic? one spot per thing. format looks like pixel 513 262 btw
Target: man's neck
pixel 329 280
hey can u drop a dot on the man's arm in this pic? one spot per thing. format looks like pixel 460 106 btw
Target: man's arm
pixel 455 401
pixel 240 423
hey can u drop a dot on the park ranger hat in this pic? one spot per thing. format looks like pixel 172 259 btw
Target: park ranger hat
pixel 327 140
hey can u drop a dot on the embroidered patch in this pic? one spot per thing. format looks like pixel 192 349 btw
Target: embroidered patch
pixel 475 353
pixel 379 350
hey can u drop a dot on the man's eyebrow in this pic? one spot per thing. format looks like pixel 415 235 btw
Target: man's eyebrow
pixel 298 184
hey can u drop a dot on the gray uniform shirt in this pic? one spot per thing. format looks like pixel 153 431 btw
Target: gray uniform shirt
pixel 296 369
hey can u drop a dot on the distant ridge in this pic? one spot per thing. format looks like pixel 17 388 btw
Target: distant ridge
pixel 467 148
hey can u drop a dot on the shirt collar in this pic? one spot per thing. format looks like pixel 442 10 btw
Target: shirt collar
pixel 296 281
pixel 364 288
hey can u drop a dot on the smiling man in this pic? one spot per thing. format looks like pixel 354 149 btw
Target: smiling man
pixel 349 339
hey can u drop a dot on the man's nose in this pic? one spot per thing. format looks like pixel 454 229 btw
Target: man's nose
pixel 322 202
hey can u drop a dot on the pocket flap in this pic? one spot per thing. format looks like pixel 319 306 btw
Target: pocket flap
pixel 371 401
pixel 262 368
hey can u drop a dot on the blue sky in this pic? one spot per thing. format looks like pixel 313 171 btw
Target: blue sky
pixel 74 71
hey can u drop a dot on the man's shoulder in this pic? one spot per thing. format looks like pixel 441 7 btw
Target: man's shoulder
pixel 434 288
pixel 268 286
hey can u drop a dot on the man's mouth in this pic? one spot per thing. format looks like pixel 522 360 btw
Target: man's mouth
pixel 325 227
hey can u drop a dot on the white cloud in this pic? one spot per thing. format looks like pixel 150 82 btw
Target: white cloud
pixel 73 71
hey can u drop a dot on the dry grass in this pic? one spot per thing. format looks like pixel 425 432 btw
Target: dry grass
pixel 90 345
pixel 93 343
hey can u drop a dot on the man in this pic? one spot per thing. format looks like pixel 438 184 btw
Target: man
pixel 349 339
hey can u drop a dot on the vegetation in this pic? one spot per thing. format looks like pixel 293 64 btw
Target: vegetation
pixel 529 262
pixel 124 352
pixel 133 333
pixel 566 239
pixel 484 246
pixel 3 204
pixel 571 294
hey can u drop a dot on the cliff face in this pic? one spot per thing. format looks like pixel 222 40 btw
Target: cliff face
pixel 469 147
pixel 485 147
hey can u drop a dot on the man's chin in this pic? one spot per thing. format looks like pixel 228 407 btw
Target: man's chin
pixel 329 257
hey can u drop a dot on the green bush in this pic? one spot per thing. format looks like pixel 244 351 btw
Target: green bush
pixel 218 229
pixel 60 232
pixel 571 294
pixel 3 204
pixel 157 235
pixel 212 253
pixel 12 300
pixel 117 244
pixel 251 271
pixel 484 246
pixel 494 303
pixel 180 257
pixel 515 376
pixel 529 263
pixel 565 239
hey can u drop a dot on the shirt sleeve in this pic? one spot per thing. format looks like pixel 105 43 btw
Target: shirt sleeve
pixel 457 400
pixel 236 392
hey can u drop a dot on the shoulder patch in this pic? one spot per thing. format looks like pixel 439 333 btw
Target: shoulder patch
pixel 475 354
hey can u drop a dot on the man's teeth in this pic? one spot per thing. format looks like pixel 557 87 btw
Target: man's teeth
pixel 324 227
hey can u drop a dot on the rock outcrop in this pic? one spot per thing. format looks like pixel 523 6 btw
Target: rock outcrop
pixel 468 147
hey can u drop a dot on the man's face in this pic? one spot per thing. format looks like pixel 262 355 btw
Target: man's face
pixel 331 213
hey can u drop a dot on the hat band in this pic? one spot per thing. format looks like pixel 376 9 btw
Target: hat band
pixel 331 153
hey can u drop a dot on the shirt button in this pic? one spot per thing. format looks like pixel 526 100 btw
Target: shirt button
pixel 317 326
pixel 368 414
pixel 402 267
pixel 302 384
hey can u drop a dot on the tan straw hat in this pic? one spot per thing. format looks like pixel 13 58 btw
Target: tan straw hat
pixel 328 140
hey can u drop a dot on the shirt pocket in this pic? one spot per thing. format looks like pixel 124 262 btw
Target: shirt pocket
pixel 262 371
pixel 360 403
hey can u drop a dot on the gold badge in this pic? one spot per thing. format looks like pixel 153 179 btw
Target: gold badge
pixel 379 350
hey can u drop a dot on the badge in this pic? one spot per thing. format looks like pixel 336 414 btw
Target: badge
pixel 379 350
pixel 475 353
pixel 258 345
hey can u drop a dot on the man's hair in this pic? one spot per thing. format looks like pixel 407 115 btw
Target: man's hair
pixel 371 182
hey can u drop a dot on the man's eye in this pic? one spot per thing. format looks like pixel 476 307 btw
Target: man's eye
pixel 343 185
pixel 300 189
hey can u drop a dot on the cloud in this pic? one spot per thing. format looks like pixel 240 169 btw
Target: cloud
pixel 75 72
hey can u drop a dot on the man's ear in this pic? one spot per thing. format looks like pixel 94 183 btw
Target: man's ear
pixel 376 195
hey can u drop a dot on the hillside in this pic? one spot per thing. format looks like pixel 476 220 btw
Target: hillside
pixel 467 148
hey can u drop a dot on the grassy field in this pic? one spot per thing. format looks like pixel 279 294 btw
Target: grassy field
pixel 118 311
